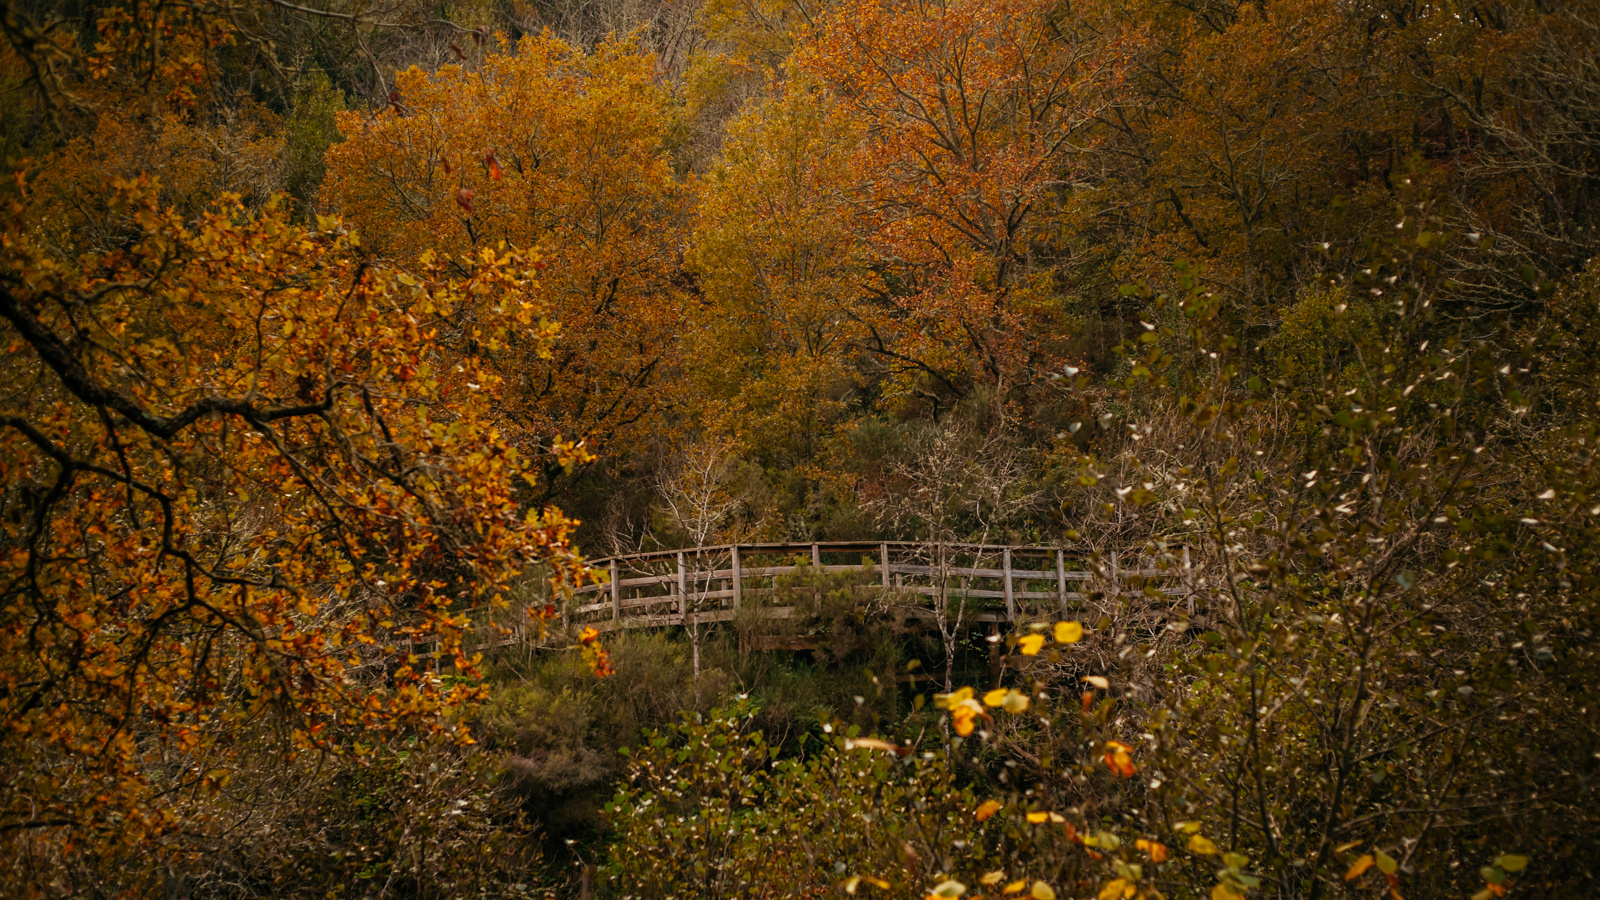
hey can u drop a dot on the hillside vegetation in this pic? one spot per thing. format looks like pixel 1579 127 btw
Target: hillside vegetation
pixel 339 333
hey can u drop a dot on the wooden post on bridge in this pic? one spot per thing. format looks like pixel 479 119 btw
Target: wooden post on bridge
pixel 738 580
pixel 683 590
pixel 1061 579
pixel 1011 602
pixel 816 567
pixel 616 593
pixel 883 554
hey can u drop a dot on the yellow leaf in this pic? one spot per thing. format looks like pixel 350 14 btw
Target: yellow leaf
pixel 1042 891
pixel 1037 817
pixel 1386 863
pixel 1202 845
pixel 985 810
pixel 1098 681
pixel 1226 891
pixel 1359 866
pixel 951 701
pixel 962 716
pixel 1015 702
pixel 1030 645
pixel 994 697
pixel 1113 889
pixel 1068 632
pixel 994 877
pixel 1015 886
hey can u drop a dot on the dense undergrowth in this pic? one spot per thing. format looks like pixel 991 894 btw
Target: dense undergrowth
pixel 337 333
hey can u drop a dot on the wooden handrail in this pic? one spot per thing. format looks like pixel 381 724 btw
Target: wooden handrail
pixel 906 567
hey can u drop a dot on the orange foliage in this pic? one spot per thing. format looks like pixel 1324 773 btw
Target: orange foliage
pixel 770 349
pixel 546 147
pixel 235 488
pixel 973 112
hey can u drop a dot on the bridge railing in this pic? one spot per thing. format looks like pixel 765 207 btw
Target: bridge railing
pixel 1000 582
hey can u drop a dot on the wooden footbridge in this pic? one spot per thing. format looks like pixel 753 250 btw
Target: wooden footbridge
pixel 994 583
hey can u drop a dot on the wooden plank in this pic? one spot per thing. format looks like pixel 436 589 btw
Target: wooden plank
pixel 883 556
pixel 827 546
pixel 738 579
pixel 1024 575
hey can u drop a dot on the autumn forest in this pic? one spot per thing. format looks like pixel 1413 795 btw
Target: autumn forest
pixel 1223 376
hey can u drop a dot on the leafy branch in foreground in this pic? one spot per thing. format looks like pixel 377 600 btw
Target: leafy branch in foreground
pixel 246 472
pixel 1394 613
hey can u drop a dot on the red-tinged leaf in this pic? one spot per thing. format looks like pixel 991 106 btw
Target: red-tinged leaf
pixel 464 197
pixel 494 165
pixel 457 48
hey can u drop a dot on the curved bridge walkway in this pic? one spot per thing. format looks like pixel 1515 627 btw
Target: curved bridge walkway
pixel 998 583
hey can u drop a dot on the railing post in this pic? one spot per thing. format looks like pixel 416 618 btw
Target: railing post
pixel 1011 603
pixel 1061 579
pixel 683 590
pixel 616 592
pixel 816 572
pixel 883 555
pixel 738 580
